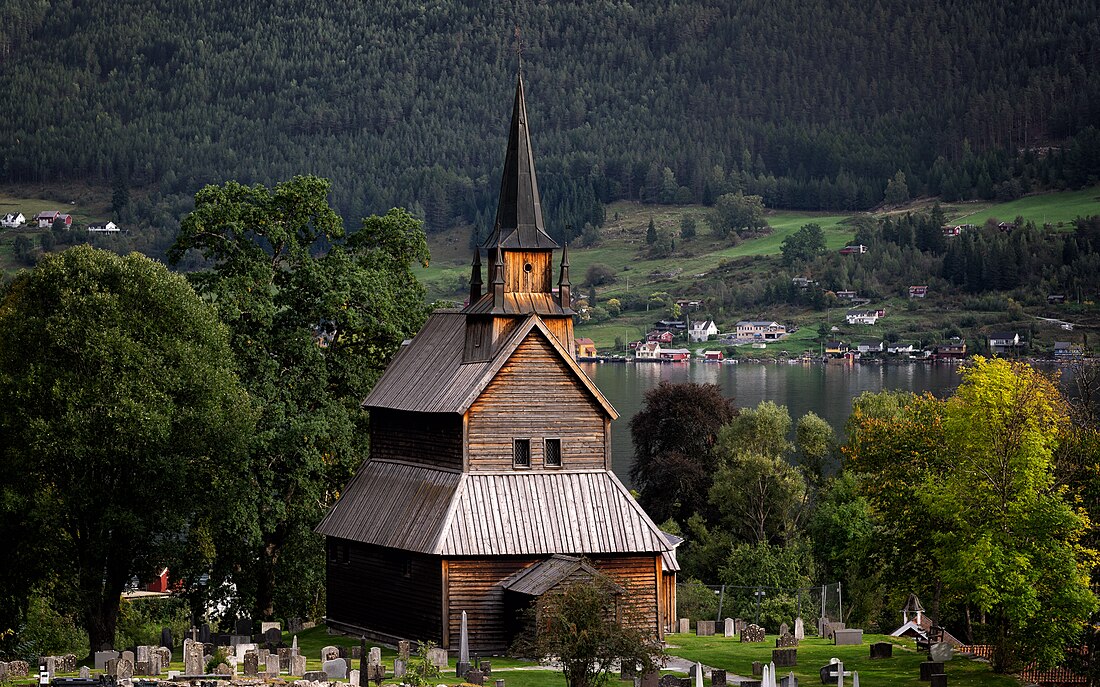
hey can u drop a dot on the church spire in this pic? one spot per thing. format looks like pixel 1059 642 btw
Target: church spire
pixel 519 211
pixel 565 299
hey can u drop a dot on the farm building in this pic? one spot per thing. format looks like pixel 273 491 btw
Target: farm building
pixel 490 461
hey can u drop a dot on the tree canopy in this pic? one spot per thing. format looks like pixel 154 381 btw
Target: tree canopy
pixel 120 414
pixel 314 318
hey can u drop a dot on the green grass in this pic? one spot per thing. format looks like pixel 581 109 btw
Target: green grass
pixel 1045 208
pixel 903 669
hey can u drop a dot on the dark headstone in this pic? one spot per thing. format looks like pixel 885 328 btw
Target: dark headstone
pixel 461 668
pixel 785 641
pixel 882 650
pixel 651 679
pixel 717 678
pixel 355 652
pixel 829 674
pixel 209 649
pixel 294 625
pixel 788 681
pixel 928 669
pixel 251 663
pixel 485 667
pixel 273 638
pixel 243 626
pixel 750 683
pixel 752 633
pixel 475 677
pixel 499 683
pixel 403 648
pixel 687 682
pixel 785 658
pixel 343 651
pixel 221 639
pixel 204 634
pixel 376 673
pixel 704 628
pixel 757 668
pixel 668 681
pixel 284 653
pixel 939 680
pixel 166 637
pixel 315 676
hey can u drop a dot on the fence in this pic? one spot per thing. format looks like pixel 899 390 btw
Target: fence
pixel 765 605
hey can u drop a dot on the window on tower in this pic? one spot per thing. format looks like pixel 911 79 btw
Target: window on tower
pixel 521 453
pixel 552 453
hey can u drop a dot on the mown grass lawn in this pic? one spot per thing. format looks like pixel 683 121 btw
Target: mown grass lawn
pixel 813 653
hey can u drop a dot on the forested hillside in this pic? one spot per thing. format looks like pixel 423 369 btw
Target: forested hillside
pixel 810 104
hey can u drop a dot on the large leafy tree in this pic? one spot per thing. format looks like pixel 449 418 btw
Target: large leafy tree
pixel 314 318
pixel 674 438
pixel 120 416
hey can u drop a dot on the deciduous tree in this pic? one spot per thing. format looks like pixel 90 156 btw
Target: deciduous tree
pixel 122 420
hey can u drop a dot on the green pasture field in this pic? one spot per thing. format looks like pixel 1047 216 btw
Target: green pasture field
pixel 1045 208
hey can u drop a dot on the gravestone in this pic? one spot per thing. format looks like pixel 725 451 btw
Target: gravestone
pixel 124 669
pixel 294 625
pixel 355 653
pixel 353 677
pixel 651 679
pixel 375 657
pixel 101 658
pixel 298 665
pixel 329 653
pixel 939 680
pixel 704 628
pixel 882 650
pixel 785 641
pixel 376 673
pixel 142 654
pixel 695 671
pixel 344 654
pixel 315 676
pixel 685 626
pixel 271 665
pixel 785 658
pixel 269 625
pixel 669 681
pixel 18 668
pixel 752 633
pixel 941 652
pixel 208 649
pixel 757 668
pixel 243 649
pixel 236 640
pixel 788 681
pixel 222 639
pixel 243 626
pixel 750 683
pixel 799 629
pixel 165 655
pixel 156 665
pixel 85 673
pixel 928 669
pixel 784 629
pixel 844 637
pixel 717 678
pixel 142 668
pixel 252 663
pixel 485 667
pixel 728 628
pixel 499 683
pixel 193 663
pixel 166 637
pixel 221 669
pixel 129 656
pixel 204 634
pixel 284 654
pixel 273 637
pixel 475 677
pixel 687 682
pixel 404 647
pixel 400 666
pixel 438 657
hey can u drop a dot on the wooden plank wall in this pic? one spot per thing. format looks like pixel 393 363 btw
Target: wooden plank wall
pixel 429 438
pixel 372 591
pixel 473 587
pixel 537 280
pixel 535 396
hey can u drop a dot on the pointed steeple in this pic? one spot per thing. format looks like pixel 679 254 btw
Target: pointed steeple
pixel 475 277
pixel 498 281
pixel 564 297
pixel 519 210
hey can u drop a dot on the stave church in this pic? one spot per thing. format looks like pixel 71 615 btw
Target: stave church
pixel 489 478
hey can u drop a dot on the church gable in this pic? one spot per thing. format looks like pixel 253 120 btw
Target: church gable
pixel 537 414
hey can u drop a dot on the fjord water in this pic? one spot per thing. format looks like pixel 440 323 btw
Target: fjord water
pixel 827 390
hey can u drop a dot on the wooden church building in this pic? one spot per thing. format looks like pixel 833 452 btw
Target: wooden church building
pixel 489 479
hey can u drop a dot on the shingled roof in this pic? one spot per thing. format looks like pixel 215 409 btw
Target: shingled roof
pixel 519 211
pixel 428 374
pixel 443 512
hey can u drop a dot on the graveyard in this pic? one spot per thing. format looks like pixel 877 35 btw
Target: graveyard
pixel 314 657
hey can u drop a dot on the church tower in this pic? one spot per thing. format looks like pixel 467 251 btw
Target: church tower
pixel 520 256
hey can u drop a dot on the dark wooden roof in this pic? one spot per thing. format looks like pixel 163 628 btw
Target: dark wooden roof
pixel 433 511
pixel 518 303
pixel 539 578
pixel 428 374
pixel 519 210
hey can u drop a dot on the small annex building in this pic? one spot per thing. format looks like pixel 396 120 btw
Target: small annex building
pixel 489 479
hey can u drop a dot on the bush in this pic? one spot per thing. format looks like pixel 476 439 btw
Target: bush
pixel 46 632
pixel 696 601
pixel 599 274
pixel 140 621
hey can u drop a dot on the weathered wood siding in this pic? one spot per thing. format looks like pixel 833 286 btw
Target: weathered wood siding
pixel 536 397
pixel 668 602
pixel 535 280
pixel 562 328
pixel 388 591
pixel 473 586
pixel 428 438
pixel 640 575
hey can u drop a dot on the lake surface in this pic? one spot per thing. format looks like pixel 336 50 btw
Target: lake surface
pixel 827 390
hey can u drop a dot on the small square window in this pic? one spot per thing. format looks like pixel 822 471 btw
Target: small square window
pixel 521 453
pixel 552 453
